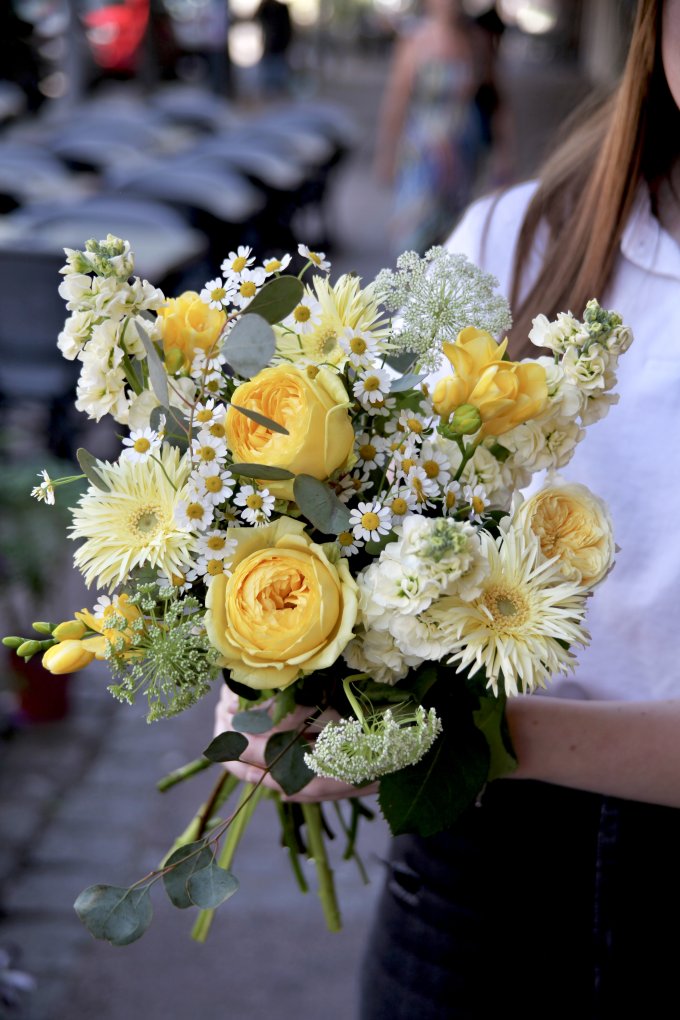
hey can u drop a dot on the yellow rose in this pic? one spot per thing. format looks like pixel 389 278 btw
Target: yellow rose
pixel 506 393
pixel 67 657
pixel 573 523
pixel 315 413
pixel 186 323
pixel 285 611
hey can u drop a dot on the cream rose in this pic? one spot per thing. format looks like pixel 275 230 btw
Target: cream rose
pixel 573 523
pixel 286 610
pixel 313 410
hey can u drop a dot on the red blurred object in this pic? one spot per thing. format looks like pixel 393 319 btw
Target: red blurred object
pixel 115 32
pixel 42 696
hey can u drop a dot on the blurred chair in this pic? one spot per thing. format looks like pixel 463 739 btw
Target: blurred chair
pixel 32 369
pixel 29 174
pixel 194 107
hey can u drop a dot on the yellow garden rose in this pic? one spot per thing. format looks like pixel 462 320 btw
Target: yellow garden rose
pixel 573 523
pixel 506 393
pixel 315 413
pixel 186 323
pixel 286 610
pixel 67 656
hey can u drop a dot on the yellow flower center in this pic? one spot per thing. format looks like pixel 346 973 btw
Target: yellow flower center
pixel 450 500
pixel 367 451
pixel 218 294
pixel 272 266
pixel 178 580
pixel 399 506
pixel 407 463
pixel 315 258
pixel 213 385
pixel 206 453
pixel 415 425
pixel 326 343
pixel 346 538
pixel 254 501
pixel 215 567
pixel 508 607
pixel 371 383
pixel 218 430
pixel 239 264
pixel 214 483
pixel 431 468
pixel 141 445
pixel 204 415
pixel 477 504
pixel 358 345
pixel 145 521
pixel 370 521
pixel 216 542
pixel 248 289
pixel 312 371
pixel 195 511
pixel 302 313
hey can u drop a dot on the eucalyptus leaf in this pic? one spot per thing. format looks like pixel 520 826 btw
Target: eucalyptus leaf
pixel 261 419
pixel 157 374
pixel 184 862
pixel 250 345
pixel 320 506
pixel 406 382
pixel 226 747
pixel 262 471
pixel 211 886
pixel 115 914
pixel 290 770
pixel 155 417
pixel 277 299
pixel 89 464
pixel 252 721
pixel 490 719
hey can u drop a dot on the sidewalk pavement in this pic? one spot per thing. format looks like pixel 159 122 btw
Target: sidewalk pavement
pixel 79 804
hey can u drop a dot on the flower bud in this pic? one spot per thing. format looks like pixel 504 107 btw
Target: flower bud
pixel 28 648
pixel 13 642
pixel 42 627
pixel 466 420
pixel 70 629
pixel 66 657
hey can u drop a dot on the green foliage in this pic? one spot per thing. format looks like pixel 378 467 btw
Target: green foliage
pixel 252 721
pixel 116 915
pixel 320 505
pixel 226 747
pixel 249 345
pixel 277 298
pixel 261 419
pixel 263 471
pixel 182 865
pixel 88 465
pixel 286 761
pixel 157 374
pixel 406 382
pixel 490 720
pixel 208 887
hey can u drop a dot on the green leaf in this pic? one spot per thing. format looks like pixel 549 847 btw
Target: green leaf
pixel 499 452
pixel 277 299
pixel 261 419
pixel 261 471
pixel 211 886
pixel 88 465
pixel 226 747
pixel 184 862
pixel 320 506
pixel 155 417
pixel 432 794
pixel 117 915
pixel 406 382
pixel 252 721
pixel 250 345
pixel 490 720
pixel 284 704
pixel 157 374
pixel 290 771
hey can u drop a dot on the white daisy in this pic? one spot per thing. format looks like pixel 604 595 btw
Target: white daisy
pixel 349 544
pixel 435 464
pixel 213 483
pixel 179 581
pixel 44 492
pixel 237 261
pixel 350 485
pixel 305 317
pixel 452 497
pixel 217 293
pixel 372 386
pixel 205 413
pixel 317 258
pixel 370 450
pixel 422 487
pixel 249 282
pixel 477 498
pixel 215 545
pixel 401 503
pixel 207 449
pixel 272 266
pixel 194 514
pixel 359 345
pixel 257 503
pixel 141 444
pixel 208 566
pixel 370 520
pixel 381 408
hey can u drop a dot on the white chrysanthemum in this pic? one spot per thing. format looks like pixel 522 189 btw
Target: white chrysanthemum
pixel 516 627
pixel 134 523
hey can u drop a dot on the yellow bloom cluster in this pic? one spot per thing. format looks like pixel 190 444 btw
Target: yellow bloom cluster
pixel 88 637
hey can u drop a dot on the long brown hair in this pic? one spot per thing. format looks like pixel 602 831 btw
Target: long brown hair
pixel 588 187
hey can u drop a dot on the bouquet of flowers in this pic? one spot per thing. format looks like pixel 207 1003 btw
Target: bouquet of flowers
pixel 344 545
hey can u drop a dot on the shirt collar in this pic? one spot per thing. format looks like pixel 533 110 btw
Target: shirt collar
pixel 645 243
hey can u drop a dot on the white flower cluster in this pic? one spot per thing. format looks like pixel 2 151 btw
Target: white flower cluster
pixel 434 557
pixel 436 297
pixel 357 754
pixel 102 328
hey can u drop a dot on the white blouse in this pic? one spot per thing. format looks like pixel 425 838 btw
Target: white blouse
pixel 631 458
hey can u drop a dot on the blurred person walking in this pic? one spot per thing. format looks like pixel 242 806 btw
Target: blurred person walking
pixel 277 37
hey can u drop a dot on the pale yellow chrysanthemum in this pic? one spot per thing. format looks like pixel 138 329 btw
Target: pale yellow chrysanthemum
pixel 514 628
pixel 134 524
pixel 343 305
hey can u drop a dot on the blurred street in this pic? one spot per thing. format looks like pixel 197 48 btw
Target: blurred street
pixel 79 804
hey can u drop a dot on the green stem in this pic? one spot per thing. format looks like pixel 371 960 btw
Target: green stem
pixel 317 848
pixel 250 796
pixel 290 842
pixel 356 707
pixel 192 768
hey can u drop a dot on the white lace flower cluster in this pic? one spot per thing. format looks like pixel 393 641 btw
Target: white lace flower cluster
pixel 436 297
pixel 434 557
pixel 102 328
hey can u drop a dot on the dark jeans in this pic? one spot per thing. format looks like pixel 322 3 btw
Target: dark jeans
pixel 542 902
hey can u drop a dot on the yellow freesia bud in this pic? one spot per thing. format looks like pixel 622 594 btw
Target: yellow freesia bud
pixel 70 629
pixel 66 657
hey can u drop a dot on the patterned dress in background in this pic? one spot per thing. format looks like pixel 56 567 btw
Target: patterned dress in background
pixel 438 155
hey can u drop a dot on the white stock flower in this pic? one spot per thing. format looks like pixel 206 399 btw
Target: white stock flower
pixel 376 652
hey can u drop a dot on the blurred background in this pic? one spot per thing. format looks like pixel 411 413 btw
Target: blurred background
pixel 188 127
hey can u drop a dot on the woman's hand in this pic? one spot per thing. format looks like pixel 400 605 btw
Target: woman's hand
pixel 251 769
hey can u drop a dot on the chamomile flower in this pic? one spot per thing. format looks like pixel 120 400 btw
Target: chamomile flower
pixel 44 492
pixel 349 543
pixel 381 408
pixel 215 545
pixel 401 503
pixel 435 464
pixel 103 607
pixel 237 261
pixel 217 293
pixel 208 566
pixel 178 581
pixel 205 413
pixel 257 504
pixel 412 424
pixel 305 316
pixel 141 444
pixel 370 449
pixel 452 497
pixel 422 487
pixel 248 283
pixel 317 258
pixel 207 449
pixel 350 485
pixel 370 520
pixel 360 346
pixel 272 266
pixel 477 498
pixel 213 483
pixel 194 514
pixel 205 363
pixel 373 386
